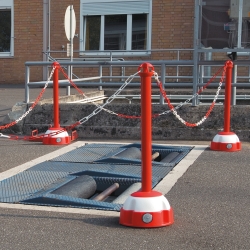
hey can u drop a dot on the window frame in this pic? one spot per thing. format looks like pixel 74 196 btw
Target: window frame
pixel 8 5
pixel 128 51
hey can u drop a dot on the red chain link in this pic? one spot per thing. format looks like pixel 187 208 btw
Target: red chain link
pixel 14 137
pixel 216 74
pixel 171 107
pixel 8 125
pixel 135 117
pixel 71 82
pixel 82 93
pixel 159 84
pixel 32 106
pixel 72 126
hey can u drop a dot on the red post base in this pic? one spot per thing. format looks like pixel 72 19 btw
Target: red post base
pixel 57 139
pixel 146 210
pixel 226 141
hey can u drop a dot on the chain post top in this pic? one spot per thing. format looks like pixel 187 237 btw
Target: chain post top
pixel 229 64
pixel 56 64
pixel 146 68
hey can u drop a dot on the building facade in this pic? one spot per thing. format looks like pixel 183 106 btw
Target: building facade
pixel 32 30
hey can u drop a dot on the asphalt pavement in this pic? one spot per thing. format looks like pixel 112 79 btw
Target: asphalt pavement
pixel 211 204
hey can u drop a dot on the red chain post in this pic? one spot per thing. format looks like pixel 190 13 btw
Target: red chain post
pixel 147 207
pixel 56 135
pixel 146 73
pixel 227 141
pixel 227 101
pixel 56 66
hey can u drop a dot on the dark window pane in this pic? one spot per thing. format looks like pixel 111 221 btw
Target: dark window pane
pixel 212 33
pixel 5 30
pixel 139 32
pixel 115 32
pixel 93 27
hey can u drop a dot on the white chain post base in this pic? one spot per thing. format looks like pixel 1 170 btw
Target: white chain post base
pixel 226 141
pixel 146 210
pixel 56 137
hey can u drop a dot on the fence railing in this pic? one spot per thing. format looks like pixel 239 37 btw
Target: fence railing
pixel 179 80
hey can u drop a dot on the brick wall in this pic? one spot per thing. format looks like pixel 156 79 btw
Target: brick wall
pixel 172 25
pixel 58 37
pixel 28 42
pixel 28 25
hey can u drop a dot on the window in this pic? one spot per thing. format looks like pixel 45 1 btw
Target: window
pixel 123 27
pixel 93 33
pixel 115 30
pixel 139 32
pixel 6 28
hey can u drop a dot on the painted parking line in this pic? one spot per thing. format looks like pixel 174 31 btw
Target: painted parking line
pixel 164 186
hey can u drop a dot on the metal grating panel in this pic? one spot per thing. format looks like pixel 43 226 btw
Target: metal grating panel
pixel 34 186
pixel 89 153
pixel 61 200
pixel 101 153
pixel 27 183
pixel 127 170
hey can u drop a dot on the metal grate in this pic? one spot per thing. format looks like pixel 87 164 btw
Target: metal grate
pixel 35 185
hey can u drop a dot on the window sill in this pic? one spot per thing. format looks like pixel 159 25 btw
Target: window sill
pixel 4 56
pixel 114 53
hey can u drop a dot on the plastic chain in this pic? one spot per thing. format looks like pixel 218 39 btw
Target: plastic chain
pixel 173 110
pixel 109 100
pixel 32 106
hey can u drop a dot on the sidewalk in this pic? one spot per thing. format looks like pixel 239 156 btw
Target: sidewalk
pixel 210 201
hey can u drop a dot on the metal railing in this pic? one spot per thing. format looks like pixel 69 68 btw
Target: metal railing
pixel 162 65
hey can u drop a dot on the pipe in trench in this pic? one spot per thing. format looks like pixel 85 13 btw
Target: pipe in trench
pixel 103 195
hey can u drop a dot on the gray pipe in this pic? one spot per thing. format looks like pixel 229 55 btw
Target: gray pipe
pixel 170 157
pixel 81 187
pixel 103 195
pixel 131 153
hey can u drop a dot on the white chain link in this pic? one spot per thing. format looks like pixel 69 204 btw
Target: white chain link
pixel 4 136
pixel 179 105
pixel 186 102
pixel 45 86
pixel 214 101
pixel 50 76
pixel 109 100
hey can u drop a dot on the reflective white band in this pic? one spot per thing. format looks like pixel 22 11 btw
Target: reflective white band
pixel 62 134
pixel 144 204
pixel 226 138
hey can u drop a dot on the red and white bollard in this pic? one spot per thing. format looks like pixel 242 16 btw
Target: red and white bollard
pixel 56 135
pixel 146 208
pixel 227 140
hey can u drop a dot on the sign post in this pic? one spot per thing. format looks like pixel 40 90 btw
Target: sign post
pixel 70 28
